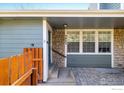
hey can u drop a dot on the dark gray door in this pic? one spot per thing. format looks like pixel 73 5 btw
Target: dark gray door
pixel 49 47
pixel 89 61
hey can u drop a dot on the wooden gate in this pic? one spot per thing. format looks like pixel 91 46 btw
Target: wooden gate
pixel 37 55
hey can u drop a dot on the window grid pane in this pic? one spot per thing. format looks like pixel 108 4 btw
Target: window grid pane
pixel 111 6
pixel 73 47
pixel 104 38
pixel 73 41
pixel 88 41
pixel 72 36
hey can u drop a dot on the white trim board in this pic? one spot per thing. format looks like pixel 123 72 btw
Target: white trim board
pixel 46 28
pixel 96 45
pixel 63 13
pixel 45 50
pixel 112 46
pixel 65 48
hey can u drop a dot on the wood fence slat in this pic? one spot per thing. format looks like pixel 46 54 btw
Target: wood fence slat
pixel 26 61
pixel 24 50
pixel 33 56
pixel 34 79
pixel 21 65
pixel 36 63
pixel 36 55
pixel 30 59
pixel 40 65
pixel 4 71
pixel 28 80
pixel 14 69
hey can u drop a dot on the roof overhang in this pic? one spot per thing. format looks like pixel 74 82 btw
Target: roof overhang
pixel 87 22
pixel 63 13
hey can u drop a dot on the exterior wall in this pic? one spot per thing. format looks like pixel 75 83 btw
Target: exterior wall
pixel 93 6
pixel 58 44
pixel 16 34
pixel 119 47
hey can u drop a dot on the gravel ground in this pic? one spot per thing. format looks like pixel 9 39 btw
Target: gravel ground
pixel 98 76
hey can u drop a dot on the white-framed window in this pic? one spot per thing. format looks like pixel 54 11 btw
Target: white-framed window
pixel 95 41
pixel 109 6
pixel 104 41
pixel 88 41
pixel 73 41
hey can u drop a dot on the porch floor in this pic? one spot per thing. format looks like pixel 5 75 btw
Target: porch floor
pixel 98 76
pixel 88 76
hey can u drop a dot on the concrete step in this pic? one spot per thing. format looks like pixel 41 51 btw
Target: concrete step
pixel 51 68
pixel 65 77
pixel 65 73
pixel 53 72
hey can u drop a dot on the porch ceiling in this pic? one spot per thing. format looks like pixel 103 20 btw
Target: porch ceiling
pixel 87 22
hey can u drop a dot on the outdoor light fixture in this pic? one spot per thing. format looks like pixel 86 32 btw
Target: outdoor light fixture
pixel 65 25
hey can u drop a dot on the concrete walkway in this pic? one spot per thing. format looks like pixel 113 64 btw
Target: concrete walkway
pixel 98 76
pixel 65 77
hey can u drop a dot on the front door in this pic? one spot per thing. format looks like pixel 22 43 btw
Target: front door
pixel 49 47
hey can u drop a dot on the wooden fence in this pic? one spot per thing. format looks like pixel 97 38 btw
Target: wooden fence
pixel 37 54
pixel 22 69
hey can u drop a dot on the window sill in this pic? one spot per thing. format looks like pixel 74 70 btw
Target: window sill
pixel 89 53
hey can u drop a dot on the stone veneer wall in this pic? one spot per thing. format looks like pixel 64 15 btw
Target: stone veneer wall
pixel 119 48
pixel 58 40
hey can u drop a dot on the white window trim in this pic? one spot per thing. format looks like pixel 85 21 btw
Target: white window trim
pixel 98 6
pixel 89 53
pixel 65 48
pixel 96 45
pixel 122 6
pixel 96 42
pixel 112 48
pixel 80 42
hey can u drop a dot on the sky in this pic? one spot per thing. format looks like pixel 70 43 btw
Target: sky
pixel 47 6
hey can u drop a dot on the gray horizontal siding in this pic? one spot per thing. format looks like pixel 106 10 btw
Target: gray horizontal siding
pixel 89 60
pixel 18 34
